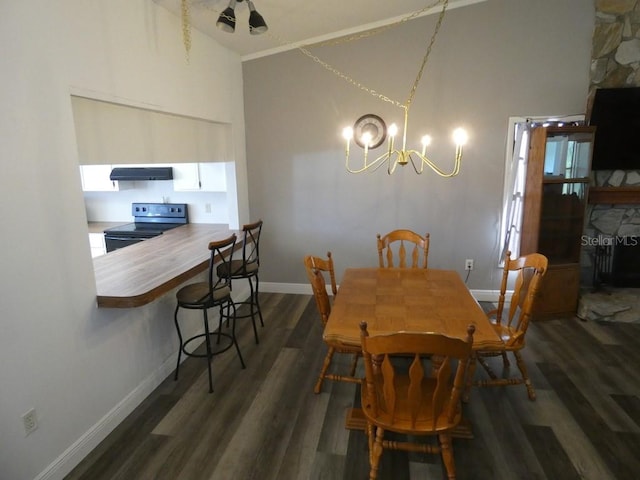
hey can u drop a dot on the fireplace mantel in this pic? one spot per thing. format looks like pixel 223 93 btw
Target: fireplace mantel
pixel 614 195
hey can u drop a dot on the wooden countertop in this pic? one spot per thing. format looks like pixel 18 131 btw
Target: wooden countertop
pixel 140 273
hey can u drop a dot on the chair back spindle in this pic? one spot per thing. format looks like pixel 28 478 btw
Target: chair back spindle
pixel 413 400
pixel 403 240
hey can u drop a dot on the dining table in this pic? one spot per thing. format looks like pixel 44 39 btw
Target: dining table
pixel 395 300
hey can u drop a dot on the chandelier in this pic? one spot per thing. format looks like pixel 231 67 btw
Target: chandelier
pixel 371 132
pixel 394 157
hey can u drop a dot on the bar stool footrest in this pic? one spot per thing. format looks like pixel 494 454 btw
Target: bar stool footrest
pixel 216 348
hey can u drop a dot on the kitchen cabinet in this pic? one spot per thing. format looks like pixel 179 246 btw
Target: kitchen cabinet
pixel 95 178
pixel 554 208
pixel 108 133
pixel 199 177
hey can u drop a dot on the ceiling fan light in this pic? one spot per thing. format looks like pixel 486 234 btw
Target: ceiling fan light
pixel 227 20
pixel 257 25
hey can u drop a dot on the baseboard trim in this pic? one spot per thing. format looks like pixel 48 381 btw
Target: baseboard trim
pixel 73 455
pixel 305 289
pixel 486 295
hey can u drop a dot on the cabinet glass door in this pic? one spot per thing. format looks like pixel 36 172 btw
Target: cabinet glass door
pixel 567 156
pixel 564 193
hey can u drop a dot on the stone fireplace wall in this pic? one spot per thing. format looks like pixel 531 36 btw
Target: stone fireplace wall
pixel 609 224
pixel 615 62
pixel 615 54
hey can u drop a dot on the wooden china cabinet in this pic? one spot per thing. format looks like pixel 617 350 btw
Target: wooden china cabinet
pixel 554 208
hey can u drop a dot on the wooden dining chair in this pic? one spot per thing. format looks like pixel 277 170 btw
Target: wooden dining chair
pixel 423 399
pixel 512 327
pixel 315 266
pixel 398 238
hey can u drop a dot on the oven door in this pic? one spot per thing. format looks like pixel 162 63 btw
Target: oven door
pixel 114 242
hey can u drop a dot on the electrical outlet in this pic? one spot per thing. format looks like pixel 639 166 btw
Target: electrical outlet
pixel 468 264
pixel 207 207
pixel 30 421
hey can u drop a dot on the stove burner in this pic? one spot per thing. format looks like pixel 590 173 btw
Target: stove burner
pixel 147 230
pixel 150 220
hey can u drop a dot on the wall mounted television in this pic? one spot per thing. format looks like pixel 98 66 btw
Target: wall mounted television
pixel 616 114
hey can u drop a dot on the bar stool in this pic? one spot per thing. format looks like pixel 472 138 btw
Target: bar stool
pixel 205 295
pixel 247 268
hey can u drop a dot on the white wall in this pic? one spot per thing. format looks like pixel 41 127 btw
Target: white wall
pixel 81 368
pixel 204 207
pixel 491 61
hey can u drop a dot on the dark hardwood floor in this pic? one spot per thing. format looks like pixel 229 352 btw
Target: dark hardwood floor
pixel 265 422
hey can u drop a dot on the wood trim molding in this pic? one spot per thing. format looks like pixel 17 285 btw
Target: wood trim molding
pixel 614 195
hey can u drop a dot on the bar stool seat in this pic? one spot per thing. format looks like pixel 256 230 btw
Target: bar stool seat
pixel 248 268
pixel 206 295
pixel 197 295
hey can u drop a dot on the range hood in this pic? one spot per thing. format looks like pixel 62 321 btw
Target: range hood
pixel 141 173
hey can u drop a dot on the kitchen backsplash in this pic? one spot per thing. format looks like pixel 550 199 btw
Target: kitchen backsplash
pixel 204 207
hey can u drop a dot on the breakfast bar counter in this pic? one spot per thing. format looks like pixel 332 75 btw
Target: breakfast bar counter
pixel 140 273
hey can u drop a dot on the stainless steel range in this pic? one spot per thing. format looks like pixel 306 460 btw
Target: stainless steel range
pixel 150 220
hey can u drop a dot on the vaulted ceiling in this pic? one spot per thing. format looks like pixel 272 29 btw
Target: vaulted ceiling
pixel 296 22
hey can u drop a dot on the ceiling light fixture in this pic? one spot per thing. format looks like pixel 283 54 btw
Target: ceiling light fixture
pixel 373 134
pixel 227 19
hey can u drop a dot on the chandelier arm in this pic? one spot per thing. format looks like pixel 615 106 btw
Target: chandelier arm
pixel 375 164
pixel 413 163
pixel 391 167
pixel 456 167
pixel 391 158
pixel 385 159
pixel 458 159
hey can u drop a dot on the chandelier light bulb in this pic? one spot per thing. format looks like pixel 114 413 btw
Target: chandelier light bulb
pixel 347 133
pixel 366 139
pixel 460 136
pixel 393 130
pixel 426 141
